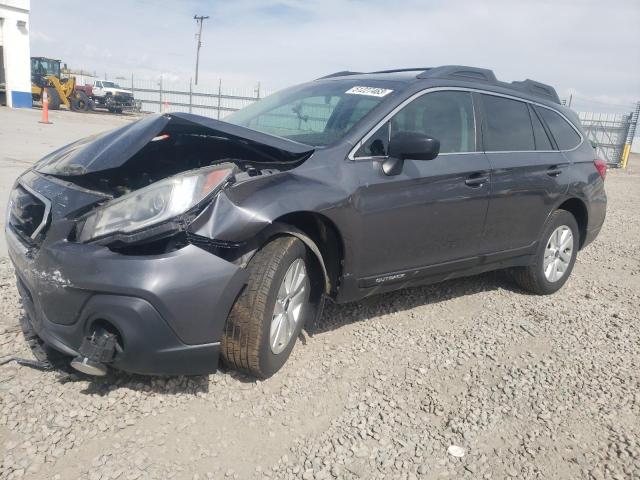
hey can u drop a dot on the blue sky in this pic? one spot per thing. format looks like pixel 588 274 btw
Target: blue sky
pixel 587 47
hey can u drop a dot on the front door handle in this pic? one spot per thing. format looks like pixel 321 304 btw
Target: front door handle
pixel 476 180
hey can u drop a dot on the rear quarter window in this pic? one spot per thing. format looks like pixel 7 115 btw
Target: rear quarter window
pixel 565 135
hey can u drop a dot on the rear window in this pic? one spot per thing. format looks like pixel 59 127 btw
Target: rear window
pixel 565 135
pixel 508 125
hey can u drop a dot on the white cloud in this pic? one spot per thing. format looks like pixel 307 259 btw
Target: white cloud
pixel 581 45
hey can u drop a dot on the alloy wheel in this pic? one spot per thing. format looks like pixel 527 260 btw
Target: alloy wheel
pixel 558 253
pixel 290 303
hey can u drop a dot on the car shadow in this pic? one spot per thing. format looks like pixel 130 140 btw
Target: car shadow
pixel 334 317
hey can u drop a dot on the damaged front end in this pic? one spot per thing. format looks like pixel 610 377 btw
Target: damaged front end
pixel 113 263
pixel 159 173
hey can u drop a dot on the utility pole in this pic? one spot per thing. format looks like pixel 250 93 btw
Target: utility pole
pixel 199 19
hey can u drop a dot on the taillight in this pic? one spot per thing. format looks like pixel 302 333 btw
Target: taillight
pixel 601 166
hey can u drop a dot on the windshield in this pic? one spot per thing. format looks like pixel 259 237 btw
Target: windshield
pixel 110 85
pixel 315 114
pixel 45 66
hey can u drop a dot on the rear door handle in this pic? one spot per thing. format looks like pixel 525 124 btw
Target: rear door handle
pixel 554 171
pixel 476 180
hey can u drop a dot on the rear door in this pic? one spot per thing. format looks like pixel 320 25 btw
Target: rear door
pixel 433 211
pixel 527 173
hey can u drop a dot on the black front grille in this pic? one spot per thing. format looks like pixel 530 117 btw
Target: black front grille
pixel 26 212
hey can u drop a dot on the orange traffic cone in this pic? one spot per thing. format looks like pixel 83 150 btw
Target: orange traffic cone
pixel 45 107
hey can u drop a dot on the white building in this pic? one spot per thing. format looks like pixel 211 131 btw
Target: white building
pixel 15 63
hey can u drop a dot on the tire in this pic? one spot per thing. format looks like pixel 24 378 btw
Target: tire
pixel 247 342
pixel 533 277
pixel 54 98
pixel 80 102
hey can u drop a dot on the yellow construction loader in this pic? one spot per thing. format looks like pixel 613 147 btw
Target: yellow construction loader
pixel 47 75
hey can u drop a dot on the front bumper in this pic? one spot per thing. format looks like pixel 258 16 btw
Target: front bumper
pixel 170 309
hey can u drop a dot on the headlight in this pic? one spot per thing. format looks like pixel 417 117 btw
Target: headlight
pixel 156 203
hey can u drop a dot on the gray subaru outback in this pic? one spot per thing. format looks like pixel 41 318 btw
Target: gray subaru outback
pixel 178 241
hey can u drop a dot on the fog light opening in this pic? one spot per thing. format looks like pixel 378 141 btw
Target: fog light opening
pixel 98 350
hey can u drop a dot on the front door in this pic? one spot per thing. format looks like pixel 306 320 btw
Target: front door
pixel 434 211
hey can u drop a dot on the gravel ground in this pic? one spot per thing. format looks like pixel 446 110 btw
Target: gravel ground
pixel 523 386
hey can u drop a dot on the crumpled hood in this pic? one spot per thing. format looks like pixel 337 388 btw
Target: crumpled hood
pixel 113 149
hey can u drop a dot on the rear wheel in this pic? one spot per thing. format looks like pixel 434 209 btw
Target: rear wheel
pixel 554 258
pixel 80 102
pixel 269 314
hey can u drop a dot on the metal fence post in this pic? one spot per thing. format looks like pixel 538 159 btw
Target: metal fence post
pixel 132 89
pixel 190 95
pixel 160 109
pixel 633 123
pixel 219 95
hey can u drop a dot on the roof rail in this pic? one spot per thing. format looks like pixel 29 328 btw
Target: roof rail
pixel 398 70
pixel 343 73
pixel 536 88
pixel 459 72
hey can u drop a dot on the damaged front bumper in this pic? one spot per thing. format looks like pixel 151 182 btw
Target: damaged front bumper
pixel 165 286
pixel 169 310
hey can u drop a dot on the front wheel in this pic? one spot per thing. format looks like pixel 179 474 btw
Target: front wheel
pixel 53 98
pixel 554 258
pixel 269 314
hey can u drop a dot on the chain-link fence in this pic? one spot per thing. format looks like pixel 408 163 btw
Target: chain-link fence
pixel 612 133
pixel 211 100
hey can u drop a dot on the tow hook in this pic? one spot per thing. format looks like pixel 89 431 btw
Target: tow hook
pixel 96 351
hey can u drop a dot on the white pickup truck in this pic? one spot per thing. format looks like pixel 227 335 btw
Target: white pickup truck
pixel 111 96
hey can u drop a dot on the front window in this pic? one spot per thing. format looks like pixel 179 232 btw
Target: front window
pixel 446 116
pixel 315 114
pixel 110 85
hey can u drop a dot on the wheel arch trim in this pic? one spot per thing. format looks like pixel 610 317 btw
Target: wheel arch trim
pixel 280 228
pixel 572 199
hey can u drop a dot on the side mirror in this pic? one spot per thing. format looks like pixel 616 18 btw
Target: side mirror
pixel 409 146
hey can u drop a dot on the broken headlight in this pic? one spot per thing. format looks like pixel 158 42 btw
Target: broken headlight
pixel 154 204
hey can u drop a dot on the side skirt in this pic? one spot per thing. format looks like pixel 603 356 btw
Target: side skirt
pixel 372 285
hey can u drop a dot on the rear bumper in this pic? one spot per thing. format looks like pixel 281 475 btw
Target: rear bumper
pixel 169 309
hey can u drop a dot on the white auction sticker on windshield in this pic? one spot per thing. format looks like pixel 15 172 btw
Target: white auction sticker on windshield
pixel 370 91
